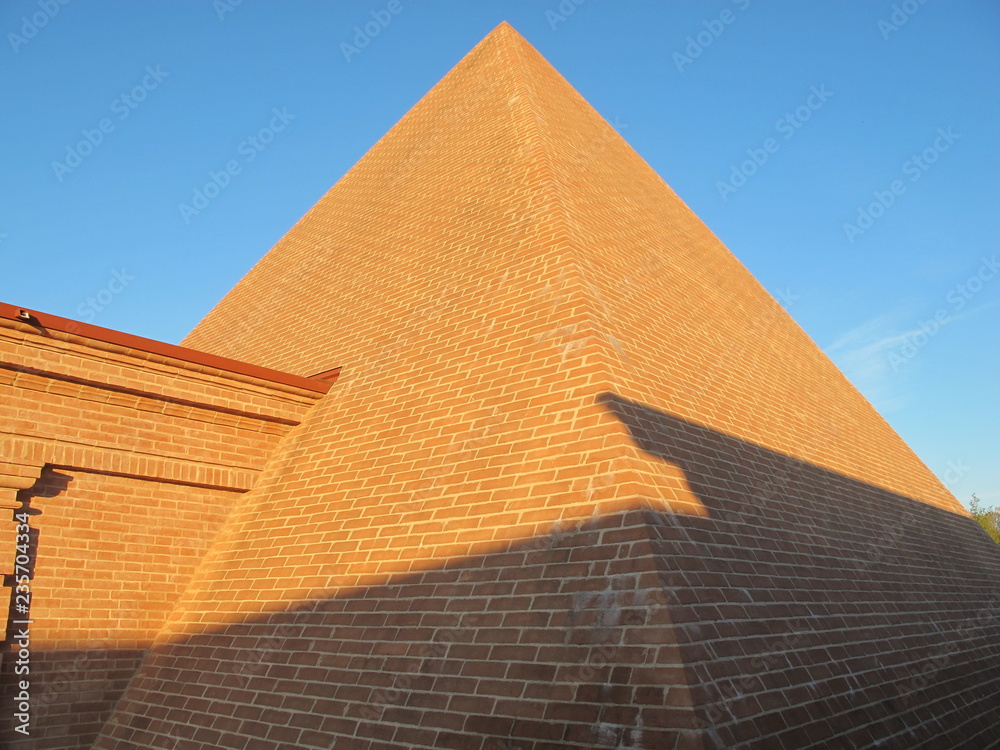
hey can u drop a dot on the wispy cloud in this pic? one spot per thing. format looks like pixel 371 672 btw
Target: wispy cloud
pixel 978 310
pixel 872 338
pixel 862 354
pixel 870 354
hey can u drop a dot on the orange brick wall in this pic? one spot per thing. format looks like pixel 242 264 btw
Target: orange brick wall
pixel 128 463
pixel 580 483
pixel 113 556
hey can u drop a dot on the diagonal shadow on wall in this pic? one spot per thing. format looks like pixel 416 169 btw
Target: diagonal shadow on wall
pixel 806 609
pixel 846 611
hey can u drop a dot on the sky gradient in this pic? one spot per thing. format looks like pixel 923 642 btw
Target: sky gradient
pixel 845 152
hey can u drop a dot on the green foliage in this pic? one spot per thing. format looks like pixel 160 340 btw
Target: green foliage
pixel 988 518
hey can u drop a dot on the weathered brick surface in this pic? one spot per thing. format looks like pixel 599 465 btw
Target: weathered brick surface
pixel 582 483
pixel 560 639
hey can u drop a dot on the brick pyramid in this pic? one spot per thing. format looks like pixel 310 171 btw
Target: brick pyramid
pixel 582 481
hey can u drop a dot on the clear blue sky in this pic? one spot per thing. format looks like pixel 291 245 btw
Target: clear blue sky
pixel 697 88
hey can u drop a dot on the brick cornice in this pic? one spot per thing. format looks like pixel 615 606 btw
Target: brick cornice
pixel 75 331
pixel 28 453
pixel 16 475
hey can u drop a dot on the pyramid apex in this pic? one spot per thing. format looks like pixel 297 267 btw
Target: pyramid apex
pixel 501 28
pixel 504 33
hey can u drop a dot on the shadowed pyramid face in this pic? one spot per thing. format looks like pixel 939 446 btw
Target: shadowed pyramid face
pixel 582 481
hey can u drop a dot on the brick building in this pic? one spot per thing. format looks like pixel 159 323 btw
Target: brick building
pixel 580 483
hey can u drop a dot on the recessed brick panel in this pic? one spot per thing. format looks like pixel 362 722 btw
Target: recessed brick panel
pixel 111 556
